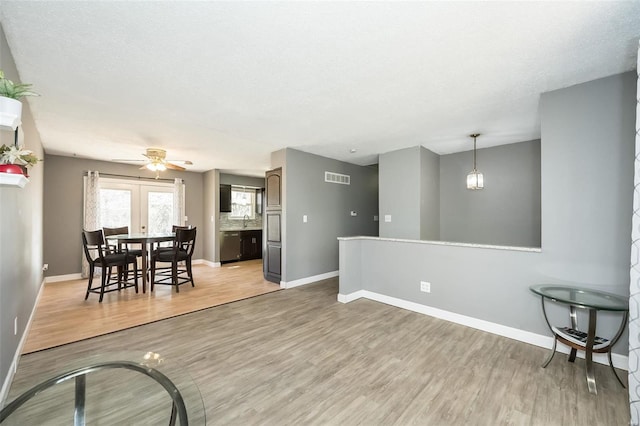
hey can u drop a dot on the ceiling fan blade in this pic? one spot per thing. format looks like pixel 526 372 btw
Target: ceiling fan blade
pixel 143 167
pixel 185 162
pixel 174 167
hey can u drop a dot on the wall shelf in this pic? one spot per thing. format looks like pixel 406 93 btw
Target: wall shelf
pixel 12 179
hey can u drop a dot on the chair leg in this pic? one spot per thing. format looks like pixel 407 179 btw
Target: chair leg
pixel 174 275
pixel 190 272
pixel 91 269
pixel 153 273
pixel 135 274
pixel 104 281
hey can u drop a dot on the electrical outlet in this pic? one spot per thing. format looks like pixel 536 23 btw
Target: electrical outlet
pixel 304 218
pixel 387 218
pixel 375 218
pixel 354 213
pixel 45 267
pixel 425 286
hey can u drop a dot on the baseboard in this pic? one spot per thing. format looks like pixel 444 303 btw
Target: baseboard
pixel 60 278
pixel 346 298
pixel 308 280
pixel 4 392
pixel 619 361
pixel 205 262
pixel 78 276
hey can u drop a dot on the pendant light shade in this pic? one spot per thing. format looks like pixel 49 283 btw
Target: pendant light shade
pixel 475 180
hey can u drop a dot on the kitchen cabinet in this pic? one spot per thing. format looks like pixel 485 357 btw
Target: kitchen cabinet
pixel 240 245
pixel 251 245
pixel 225 198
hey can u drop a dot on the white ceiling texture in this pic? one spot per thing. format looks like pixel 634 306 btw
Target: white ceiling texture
pixel 224 84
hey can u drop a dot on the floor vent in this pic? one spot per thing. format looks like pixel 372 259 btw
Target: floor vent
pixel 337 178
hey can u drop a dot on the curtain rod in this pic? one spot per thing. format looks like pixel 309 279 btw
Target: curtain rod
pixel 132 177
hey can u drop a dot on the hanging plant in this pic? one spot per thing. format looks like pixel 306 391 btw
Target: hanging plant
pixel 16 160
pixel 9 89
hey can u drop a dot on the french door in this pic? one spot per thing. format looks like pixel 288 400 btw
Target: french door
pixel 146 208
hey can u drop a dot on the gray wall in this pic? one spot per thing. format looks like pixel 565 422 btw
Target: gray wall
pixel 229 179
pixel 588 135
pixel 587 186
pixel 63 201
pixel 211 208
pixel 429 195
pixel 399 193
pixel 312 248
pixel 21 236
pixel 507 210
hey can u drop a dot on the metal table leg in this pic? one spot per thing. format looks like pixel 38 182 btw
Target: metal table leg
pixel 555 339
pixel 574 324
pixel 591 336
pixel 78 415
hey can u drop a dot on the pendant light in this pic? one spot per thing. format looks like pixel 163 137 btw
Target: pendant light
pixel 475 180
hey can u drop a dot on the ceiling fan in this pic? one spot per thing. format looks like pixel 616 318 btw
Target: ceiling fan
pixel 156 161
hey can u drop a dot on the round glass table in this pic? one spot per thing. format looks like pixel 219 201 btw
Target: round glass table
pixel 579 340
pixel 111 388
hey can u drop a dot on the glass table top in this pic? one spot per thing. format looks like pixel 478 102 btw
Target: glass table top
pixel 582 297
pixel 114 396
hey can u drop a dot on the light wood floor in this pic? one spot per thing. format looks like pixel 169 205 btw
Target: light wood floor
pixel 63 316
pixel 298 357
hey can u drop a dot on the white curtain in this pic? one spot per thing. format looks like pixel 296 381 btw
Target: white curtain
pixel 91 210
pixel 634 290
pixel 178 202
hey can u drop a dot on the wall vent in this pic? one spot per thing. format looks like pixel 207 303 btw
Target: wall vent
pixel 337 178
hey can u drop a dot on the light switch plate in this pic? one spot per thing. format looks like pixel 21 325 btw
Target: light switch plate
pixel 387 218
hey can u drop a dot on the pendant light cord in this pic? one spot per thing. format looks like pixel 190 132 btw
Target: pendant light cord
pixel 474 152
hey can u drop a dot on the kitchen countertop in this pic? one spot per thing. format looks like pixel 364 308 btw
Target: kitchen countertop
pixel 248 228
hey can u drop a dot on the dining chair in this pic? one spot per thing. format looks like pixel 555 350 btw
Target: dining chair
pixel 137 252
pixel 168 245
pixel 181 251
pixel 99 254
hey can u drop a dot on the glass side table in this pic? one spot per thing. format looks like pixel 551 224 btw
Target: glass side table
pixel 111 388
pixel 577 340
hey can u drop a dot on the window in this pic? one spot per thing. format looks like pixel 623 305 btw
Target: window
pixel 243 201
pixel 115 208
pixel 146 208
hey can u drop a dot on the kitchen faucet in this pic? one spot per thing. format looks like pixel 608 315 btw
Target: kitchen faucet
pixel 244 220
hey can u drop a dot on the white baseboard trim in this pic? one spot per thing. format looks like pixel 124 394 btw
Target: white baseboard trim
pixel 619 361
pixel 206 262
pixel 78 276
pixel 4 392
pixel 60 278
pixel 308 280
pixel 346 298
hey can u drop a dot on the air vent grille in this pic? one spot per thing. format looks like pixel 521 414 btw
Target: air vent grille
pixel 337 178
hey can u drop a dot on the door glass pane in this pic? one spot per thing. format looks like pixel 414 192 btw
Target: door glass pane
pixel 115 208
pixel 160 212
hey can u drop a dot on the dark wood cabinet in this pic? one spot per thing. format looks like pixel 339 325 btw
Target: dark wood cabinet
pixel 225 198
pixel 251 245
pixel 272 262
pixel 240 245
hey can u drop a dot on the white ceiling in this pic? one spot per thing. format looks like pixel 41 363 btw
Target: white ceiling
pixel 224 84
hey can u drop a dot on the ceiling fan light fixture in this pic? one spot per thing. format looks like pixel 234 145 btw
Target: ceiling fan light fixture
pixel 156 166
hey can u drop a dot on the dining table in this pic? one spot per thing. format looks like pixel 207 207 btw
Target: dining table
pixel 145 240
